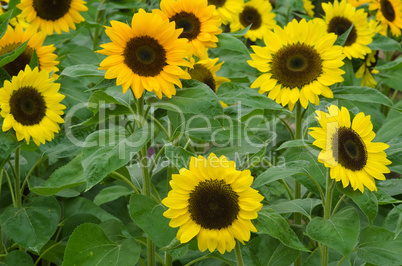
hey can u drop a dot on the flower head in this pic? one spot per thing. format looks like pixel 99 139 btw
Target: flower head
pixel 389 13
pixel 226 9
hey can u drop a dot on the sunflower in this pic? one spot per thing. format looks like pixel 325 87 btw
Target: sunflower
pixel 389 13
pixel 52 16
pixel 259 14
pixel 308 7
pixel 348 150
pixel 298 62
pixel 367 69
pixel 16 20
pixel 198 20
pixel 226 9
pixel 13 38
pixel 339 17
pixel 30 104
pixel 147 55
pixel 213 201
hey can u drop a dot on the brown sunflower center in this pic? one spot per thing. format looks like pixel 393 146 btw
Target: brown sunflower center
pixel 27 106
pixel 203 75
pixel 349 149
pixel 51 9
pixel 190 24
pixel 339 25
pixel 213 204
pixel 387 10
pixel 145 56
pixel 250 15
pixel 14 67
pixel 296 65
pixel 217 3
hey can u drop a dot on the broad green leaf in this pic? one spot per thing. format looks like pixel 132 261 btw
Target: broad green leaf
pixel 4 76
pixel 105 151
pixel 148 215
pixel 88 245
pixel 349 75
pixel 80 205
pixel 389 130
pixel 232 93
pixel 178 156
pixel 72 222
pixel 272 223
pixel 100 97
pixel 20 258
pixel 366 201
pixel 4 24
pixel 11 56
pixel 390 65
pixel 54 252
pixel 295 144
pixel 280 172
pixel 229 42
pixel 195 98
pixel 384 43
pixel 111 193
pixel 383 198
pixel 32 225
pixel 303 206
pixel 361 94
pixel 239 33
pixel 394 154
pixel 84 70
pixel 266 251
pixel 8 143
pixel 68 176
pixel 34 60
pixel 342 39
pixel 340 232
pixel 378 246
pixel 393 222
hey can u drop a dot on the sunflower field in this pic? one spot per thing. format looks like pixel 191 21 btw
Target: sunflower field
pixel 200 132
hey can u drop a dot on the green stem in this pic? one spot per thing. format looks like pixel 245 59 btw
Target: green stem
pixel 160 126
pixel 168 259
pixel 98 17
pixel 17 188
pixel 298 134
pixel 31 171
pixel 338 204
pixel 287 127
pixel 327 213
pixel 117 175
pixel 43 253
pixel 10 186
pixel 239 258
pixel 155 161
pixel 288 189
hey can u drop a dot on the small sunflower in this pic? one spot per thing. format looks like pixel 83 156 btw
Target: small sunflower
pixel 198 20
pixel 226 9
pixel 13 38
pixel 367 69
pixel 213 201
pixel 16 20
pixel 308 7
pixel 389 13
pixel 339 17
pixel 348 150
pixel 52 16
pixel 259 14
pixel 30 104
pixel 147 55
pixel 298 62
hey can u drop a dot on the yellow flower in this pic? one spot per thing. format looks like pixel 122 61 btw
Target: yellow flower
pixel 308 7
pixel 13 38
pixel 52 16
pixel 347 148
pixel 16 20
pixel 367 69
pixel 30 104
pixel 298 62
pixel 227 8
pixel 339 17
pixel 213 201
pixel 389 13
pixel 147 55
pixel 259 14
pixel 198 20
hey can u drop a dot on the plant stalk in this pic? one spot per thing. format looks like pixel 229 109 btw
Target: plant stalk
pixel 327 213
pixel 298 135
pixel 239 257
pixel 18 200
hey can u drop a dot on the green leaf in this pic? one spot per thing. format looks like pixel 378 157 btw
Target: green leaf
pixel 394 154
pixel 34 62
pixel 83 70
pixel 340 232
pixel 349 75
pixel 229 42
pixel 4 76
pixel 80 205
pixel 295 144
pixel 111 193
pixel 232 93
pixel 11 56
pixel 99 97
pixel 272 223
pixel 384 43
pixel 105 151
pixel 4 23
pixel 88 245
pixel 265 251
pixel 383 198
pixel 393 222
pixel 178 156
pixel 366 201
pixel 194 98
pixel 378 246
pixel 389 130
pixel 68 176
pixel 303 206
pixel 390 65
pixel 32 225
pixel 8 143
pixel 361 94
pixel 280 172
pixel 239 33
pixel 342 39
pixel 148 215
pixel 20 258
